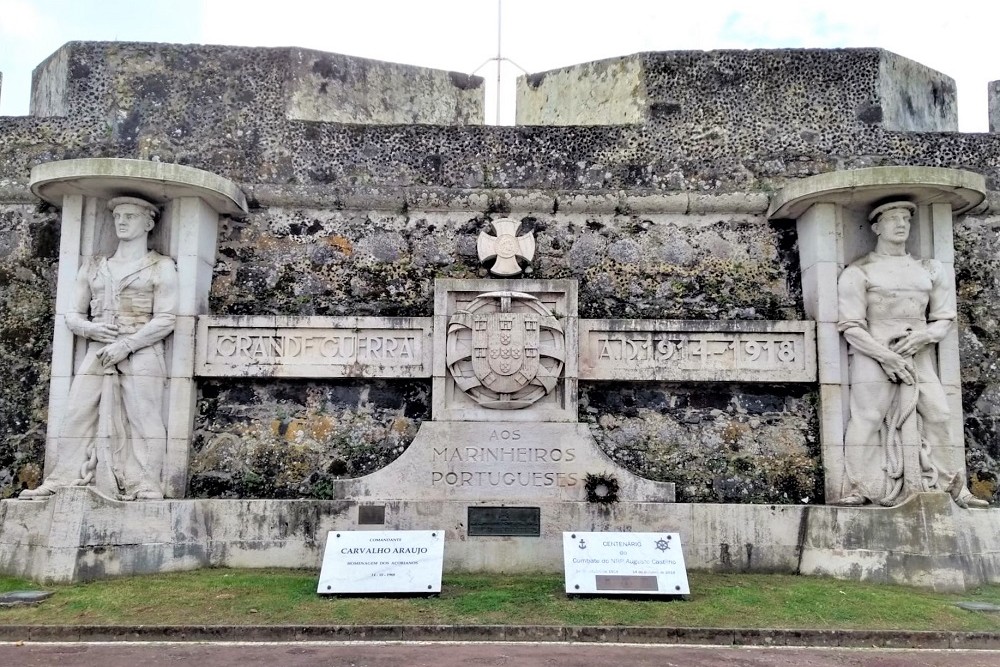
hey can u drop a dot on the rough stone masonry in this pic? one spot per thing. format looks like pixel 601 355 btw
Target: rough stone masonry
pixel 361 197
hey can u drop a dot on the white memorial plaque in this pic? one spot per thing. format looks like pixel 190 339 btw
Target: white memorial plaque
pixel 382 561
pixel 624 564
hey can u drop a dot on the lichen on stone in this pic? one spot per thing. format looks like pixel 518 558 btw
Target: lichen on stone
pixel 717 443
pixel 28 252
pixel 291 439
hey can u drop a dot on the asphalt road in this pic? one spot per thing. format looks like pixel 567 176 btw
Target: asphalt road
pixel 446 654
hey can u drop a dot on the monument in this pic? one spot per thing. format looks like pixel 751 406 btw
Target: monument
pixel 113 435
pixel 350 323
pixel 893 310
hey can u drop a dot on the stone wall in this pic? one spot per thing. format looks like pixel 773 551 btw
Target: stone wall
pixel 29 248
pixel 977 262
pixel 297 261
pixel 660 217
pixel 225 110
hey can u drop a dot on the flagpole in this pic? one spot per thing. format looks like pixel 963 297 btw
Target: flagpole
pixel 496 119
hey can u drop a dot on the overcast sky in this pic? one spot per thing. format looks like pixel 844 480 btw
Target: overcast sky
pixel 956 37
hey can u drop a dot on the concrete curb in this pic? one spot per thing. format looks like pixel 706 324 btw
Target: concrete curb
pixel 502 633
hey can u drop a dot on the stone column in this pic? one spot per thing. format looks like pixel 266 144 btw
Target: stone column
pixel 85 232
pixel 821 257
pixel 192 201
pixel 993 105
pixel 63 341
pixel 940 221
pixel 830 212
pixel 194 227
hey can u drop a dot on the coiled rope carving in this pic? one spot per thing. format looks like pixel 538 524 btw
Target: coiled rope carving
pixel 892 442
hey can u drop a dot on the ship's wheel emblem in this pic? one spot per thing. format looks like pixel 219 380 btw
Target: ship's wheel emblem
pixel 504 248
pixel 505 350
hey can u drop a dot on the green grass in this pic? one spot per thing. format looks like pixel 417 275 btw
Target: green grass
pixel 259 597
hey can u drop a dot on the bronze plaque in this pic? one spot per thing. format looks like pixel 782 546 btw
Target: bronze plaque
pixel 637 583
pixel 507 521
pixel 371 515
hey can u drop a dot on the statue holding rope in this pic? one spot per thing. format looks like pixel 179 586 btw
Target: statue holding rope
pixel 893 310
pixel 113 436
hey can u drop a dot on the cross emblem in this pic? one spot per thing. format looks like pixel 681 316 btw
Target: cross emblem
pixel 505 247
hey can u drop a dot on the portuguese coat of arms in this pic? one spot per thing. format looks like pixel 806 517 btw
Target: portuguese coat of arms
pixel 505 350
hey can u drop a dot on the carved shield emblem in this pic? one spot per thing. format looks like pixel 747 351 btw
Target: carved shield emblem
pixel 505 350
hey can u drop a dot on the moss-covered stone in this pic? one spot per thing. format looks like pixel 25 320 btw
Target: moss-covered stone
pixel 289 439
pixel 977 267
pixel 717 443
pixel 28 249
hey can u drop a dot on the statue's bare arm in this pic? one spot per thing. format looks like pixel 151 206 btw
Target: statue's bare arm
pixel 915 341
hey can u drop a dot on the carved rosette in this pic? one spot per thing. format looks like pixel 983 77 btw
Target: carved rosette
pixel 506 350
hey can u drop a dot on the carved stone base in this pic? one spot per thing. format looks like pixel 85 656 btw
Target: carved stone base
pixel 78 535
pixel 500 461
pixel 928 541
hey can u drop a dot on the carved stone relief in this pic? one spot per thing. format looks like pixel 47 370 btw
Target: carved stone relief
pixel 113 433
pixel 122 389
pixel 505 248
pixel 505 350
pixel 893 311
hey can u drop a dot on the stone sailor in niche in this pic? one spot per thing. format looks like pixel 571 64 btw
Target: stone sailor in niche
pixel 893 310
pixel 113 434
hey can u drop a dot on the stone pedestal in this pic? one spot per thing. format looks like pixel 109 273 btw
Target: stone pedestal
pixel 927 541
pixel 78 535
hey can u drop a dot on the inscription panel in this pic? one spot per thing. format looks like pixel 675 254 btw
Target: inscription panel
pixel 382 561
pixel 699 351
pixel 505 521
pixel 506 459
pixel 312 347
pixel 499 463
pixel 371 515
pixel 624 563
pixel 615 582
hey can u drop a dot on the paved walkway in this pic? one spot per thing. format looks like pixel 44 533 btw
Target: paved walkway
pixel 505 633
pixel 451 654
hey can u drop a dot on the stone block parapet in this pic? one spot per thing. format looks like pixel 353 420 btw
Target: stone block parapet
pixel 718 91
pixel 133 80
